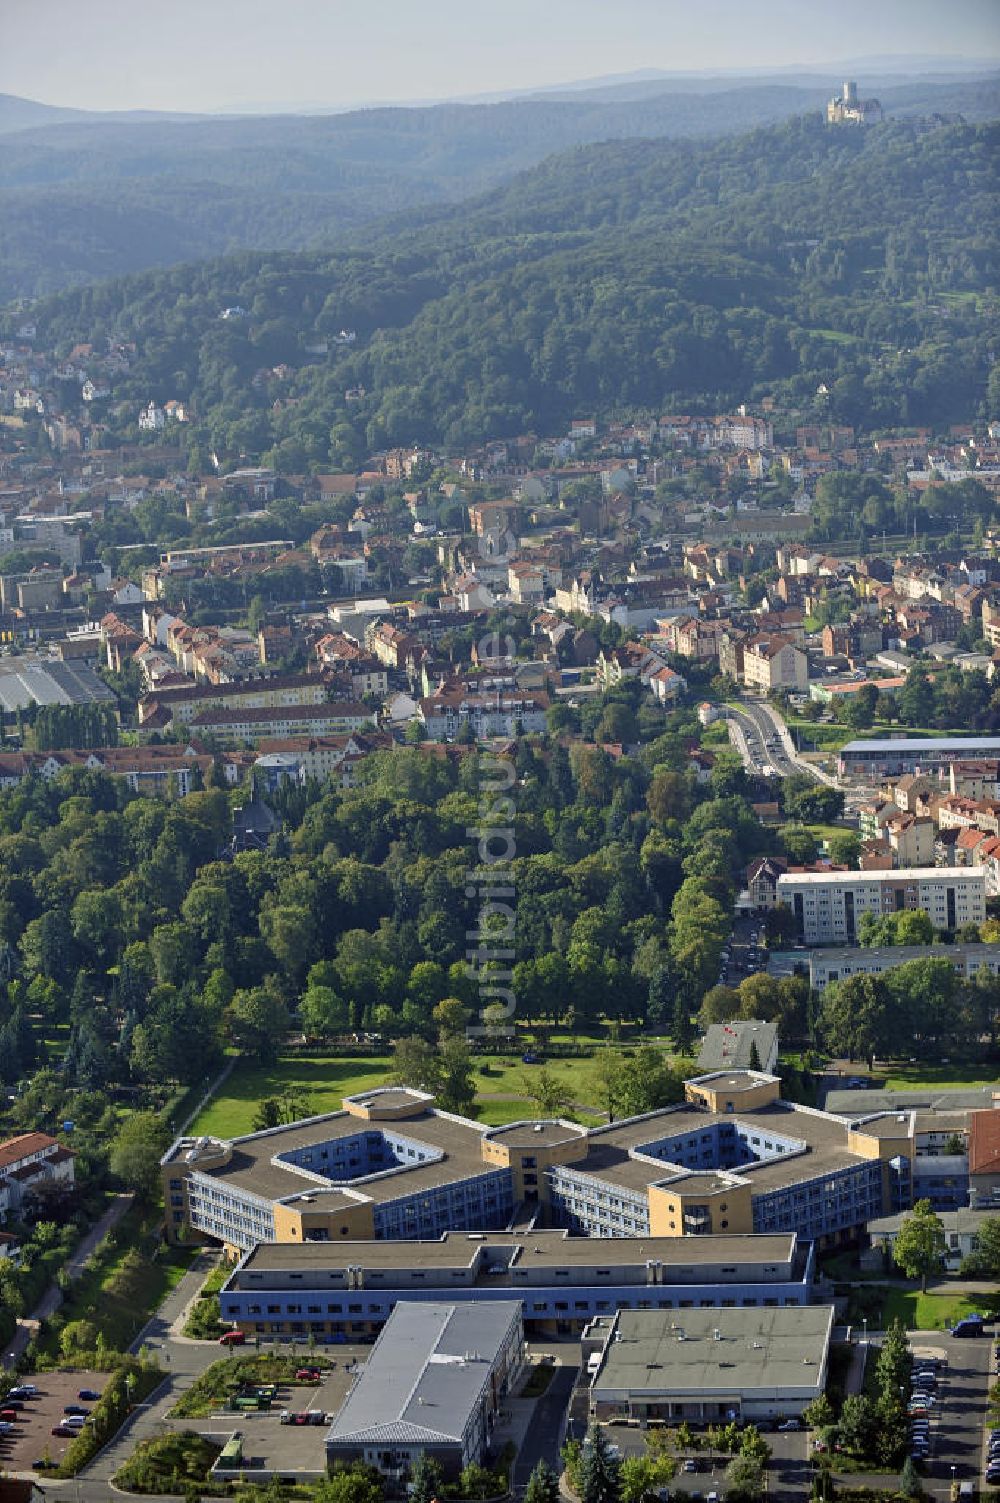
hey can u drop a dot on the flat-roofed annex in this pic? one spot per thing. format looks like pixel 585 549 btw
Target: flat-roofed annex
pixel 539 1248
pixel 716 1352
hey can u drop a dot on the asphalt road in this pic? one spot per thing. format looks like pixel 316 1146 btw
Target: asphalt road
pixel 545 1433
pixel 958 1429
pixel 762 730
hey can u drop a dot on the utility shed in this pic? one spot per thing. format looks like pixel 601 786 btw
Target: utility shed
pixel 434 1382
pixel 712 1365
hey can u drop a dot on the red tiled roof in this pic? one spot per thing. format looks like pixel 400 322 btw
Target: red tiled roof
pixel 984 1142
pixel 23 1146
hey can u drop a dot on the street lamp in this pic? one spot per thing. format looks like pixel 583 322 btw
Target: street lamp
pixel 864 1323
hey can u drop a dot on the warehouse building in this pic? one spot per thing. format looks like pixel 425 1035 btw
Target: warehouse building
pixel 434 1384
pixel 875 759
pixel 348 1291
pixel 708 1367
pixel 828 905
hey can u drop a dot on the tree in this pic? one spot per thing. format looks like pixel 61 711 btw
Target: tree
pixel 799 843
pixel 543 1485
pixel 983 1262
pixel 457 1089
pixel 427 1480
pixel 753 1445
pixel 258 1021
pixel 547 1093
pixel 139 1144
pixel 415 1062
pixel 648 1083
pixel 819 1413
pixel 845 848
pixel 451 1016
pixel 600 1471
pixel 910 1485
pixel 857 1423
pixel 920 1243
pixel 356 1483
pixel 322 1013
pixel 855 1017
pixel 642 1477
pixel 744 1479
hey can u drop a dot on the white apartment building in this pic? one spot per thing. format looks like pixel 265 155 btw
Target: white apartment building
pixel 774 663
pixel 829 905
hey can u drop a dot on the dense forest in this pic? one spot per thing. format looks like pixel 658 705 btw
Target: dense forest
pixel 829 267
pixel 100 197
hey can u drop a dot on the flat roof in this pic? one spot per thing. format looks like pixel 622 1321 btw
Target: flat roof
pixel 922 743
pixel 903 874
pixel 663 1351
pixel 929 1098
pixel 250 1166
pixel 553 1247
pixel 536 1134
pixel 825 1139
pixel 895 954
pixel 425 1374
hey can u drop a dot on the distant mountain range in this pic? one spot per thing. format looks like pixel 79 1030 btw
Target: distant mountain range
pixel 86 196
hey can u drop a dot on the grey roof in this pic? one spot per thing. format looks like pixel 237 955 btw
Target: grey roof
pixel 727 1046
pixel 962 1220
pixel 677 1352
pixel 541 1248
pixel 32 680
pixel 923 743
pixel 426 1373
pixel 928 1097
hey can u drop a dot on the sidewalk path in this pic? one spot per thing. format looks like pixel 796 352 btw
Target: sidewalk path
pixel 27 1327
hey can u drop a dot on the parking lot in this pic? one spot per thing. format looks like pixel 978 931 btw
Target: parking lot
pixel 787 1469
pixel 32 1437
pixel 277 1449
pixel 956 1428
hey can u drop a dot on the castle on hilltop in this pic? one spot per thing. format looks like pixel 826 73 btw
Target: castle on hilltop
pixel 848 109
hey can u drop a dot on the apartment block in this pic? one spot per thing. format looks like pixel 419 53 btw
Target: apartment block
pixel 828 906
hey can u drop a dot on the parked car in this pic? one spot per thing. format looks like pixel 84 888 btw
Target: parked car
pixel 9 1414
pixel 89 1393
pixel 790 1424
pixel 233 1338
pixel 75 1409
pixel 307 1375
pixel 62 1430
pixel 44 1464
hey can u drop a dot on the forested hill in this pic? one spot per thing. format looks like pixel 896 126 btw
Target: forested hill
pixel 637 274
pixel 102 197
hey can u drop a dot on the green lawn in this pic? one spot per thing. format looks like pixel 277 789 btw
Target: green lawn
pixel 503 1086
pixel 956 1074
pixel 929 1312
pixel 320 1079
pixel 827 832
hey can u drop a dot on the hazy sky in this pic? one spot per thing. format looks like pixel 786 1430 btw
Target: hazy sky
pixel 225 54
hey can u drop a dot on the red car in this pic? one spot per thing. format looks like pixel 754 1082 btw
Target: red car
pixel 307 1375
pixel 233 1338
